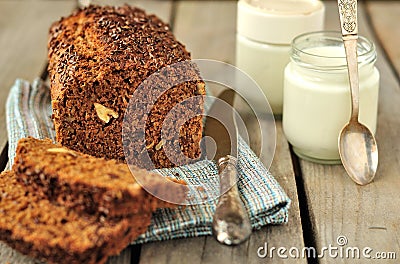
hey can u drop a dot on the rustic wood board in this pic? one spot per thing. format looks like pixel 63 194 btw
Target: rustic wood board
pixel 289 235
pixel 208 250
pixel 161 8
pixel 123 258
pixel 368 216
pixel 385 20
pixel 23 43
pixel 24 27
pixel 208 30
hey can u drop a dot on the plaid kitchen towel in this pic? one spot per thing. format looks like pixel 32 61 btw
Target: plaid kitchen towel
pixel 28 112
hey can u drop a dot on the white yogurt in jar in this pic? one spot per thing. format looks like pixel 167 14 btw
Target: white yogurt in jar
pixel 265 29
pixel 317 94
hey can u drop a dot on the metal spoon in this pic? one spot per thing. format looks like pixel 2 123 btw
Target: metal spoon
pixel 357 145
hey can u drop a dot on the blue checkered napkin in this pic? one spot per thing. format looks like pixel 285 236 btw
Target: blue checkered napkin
pixel 28 112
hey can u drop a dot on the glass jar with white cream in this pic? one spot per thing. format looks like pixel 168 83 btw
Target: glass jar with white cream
pixel 265 30
pixel 317 94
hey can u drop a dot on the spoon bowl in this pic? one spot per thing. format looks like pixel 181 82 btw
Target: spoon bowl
pixel 357 145
pixel 359 152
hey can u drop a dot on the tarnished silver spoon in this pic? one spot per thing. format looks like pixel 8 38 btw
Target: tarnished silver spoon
pixel 357 145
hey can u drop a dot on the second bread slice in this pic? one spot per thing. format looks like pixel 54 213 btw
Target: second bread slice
pixel 85 183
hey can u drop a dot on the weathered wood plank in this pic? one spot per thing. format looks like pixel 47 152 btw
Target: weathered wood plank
pixel 173 251
pixel 208 250
pixel 289 235
pixel 208 31
pixel 207 28
pixel 24 28
pixel 123 258
pixel 161 8
pixel 9 255
pixel 23 43
pixel 384 17
pixel 368 215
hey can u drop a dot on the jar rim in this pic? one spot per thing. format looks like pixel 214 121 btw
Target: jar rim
pixel 302 43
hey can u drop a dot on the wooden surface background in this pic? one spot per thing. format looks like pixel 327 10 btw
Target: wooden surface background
pixel 325 203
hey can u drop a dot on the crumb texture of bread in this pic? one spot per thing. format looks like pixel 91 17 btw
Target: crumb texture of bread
pixel 98 57
pixel 95 186
pixel 55 234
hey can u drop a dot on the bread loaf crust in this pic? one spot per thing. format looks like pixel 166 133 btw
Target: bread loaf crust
pixel 98 57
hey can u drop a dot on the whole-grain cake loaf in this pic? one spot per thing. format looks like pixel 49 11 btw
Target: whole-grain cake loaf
pixel 56 234
pixel 98 59
pixel 88 184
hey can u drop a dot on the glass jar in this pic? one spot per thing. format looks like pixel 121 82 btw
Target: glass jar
pixel 317 94
pixel 265 30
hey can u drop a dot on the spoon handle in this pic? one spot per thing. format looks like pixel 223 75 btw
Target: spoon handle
pixel 348 17
pixel 231 224
pixel 349 26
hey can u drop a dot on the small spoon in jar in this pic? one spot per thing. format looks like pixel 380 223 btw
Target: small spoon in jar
pixel 357 145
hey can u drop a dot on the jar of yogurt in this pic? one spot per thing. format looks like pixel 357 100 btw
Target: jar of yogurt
pixel 317 94
pixel 265 30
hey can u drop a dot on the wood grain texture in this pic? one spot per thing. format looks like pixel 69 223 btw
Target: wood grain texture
pixel 161 8
pixel 368 216
pixel 291 234
pixel 208 30
pixel 208 250
pixel 123 258
pixel 11 256
pixel 23 44
pixel 385 20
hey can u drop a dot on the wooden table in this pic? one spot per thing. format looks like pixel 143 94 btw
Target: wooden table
pixel 325 202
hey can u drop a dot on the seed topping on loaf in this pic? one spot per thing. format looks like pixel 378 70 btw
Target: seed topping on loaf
pixel 98 59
